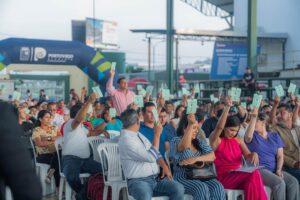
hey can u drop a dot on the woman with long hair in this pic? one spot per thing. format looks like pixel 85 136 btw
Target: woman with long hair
pixel 44 136
pixel 187 149
pixel 178 114
pixel 229 150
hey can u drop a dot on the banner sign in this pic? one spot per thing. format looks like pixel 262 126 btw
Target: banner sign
pixel 50 52
pixel 229 61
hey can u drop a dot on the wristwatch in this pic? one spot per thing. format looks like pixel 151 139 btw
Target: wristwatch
pixel 49 138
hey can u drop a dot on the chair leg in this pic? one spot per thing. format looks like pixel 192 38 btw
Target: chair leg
pixel 68 191
pixel 105 191
pixel 115 190
pixel 124 193
pixel 61 188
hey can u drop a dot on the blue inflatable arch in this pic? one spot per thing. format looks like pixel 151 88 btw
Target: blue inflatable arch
pixel 51 52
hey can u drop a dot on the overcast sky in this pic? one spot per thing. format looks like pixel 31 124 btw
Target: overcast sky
pixel 51 19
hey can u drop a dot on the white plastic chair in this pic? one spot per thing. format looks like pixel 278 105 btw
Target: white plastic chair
pixel 94 142
pixel 8 194
pixel 63 182
pixel 113 133
pixel 42 171
pixel 112 170
pixel 234 194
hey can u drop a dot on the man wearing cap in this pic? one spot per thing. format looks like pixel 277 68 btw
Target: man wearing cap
pixel 121 97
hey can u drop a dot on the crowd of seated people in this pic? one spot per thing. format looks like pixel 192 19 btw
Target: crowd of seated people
pixel 264 141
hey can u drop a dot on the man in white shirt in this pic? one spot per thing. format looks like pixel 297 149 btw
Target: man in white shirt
pixel 76 151
pixel 141 160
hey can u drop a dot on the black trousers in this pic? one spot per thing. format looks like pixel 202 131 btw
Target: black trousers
pixel 52 160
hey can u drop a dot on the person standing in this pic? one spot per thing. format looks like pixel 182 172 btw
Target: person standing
pixel 121 97
pixel 249 82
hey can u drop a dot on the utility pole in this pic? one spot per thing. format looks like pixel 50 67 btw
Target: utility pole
pixel 169 43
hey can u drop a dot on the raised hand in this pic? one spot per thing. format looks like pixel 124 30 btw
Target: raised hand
pixel 228 101
pixel 112 73
pixel 92 98
pixel 277 99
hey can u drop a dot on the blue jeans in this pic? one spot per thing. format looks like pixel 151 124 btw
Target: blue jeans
pixel 72 166
pixel 145 188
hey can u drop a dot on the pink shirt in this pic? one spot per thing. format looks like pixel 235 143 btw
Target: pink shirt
pixel 120 99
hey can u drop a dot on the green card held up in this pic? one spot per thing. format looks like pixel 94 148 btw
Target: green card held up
pixel 139 100
pixel 213 98
pixel 279 91
pixel 142 92
pixel 149 89
pixel 257 98
pixel 155 114
pixel 192 106
pixel 185 91
pixel 166 94
pixel 197 88
pixel 112 112
pixel 97 91
pixel 139 87
pixel 292 88
pixel 113 66
pixel 16 95
pixel 244 105
pixel 235 94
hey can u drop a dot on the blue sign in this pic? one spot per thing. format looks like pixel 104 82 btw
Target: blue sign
pixel 229 61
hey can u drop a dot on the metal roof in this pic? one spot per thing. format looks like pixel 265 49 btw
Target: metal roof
pixel 226 5
pixel 209 33
pixel 220 8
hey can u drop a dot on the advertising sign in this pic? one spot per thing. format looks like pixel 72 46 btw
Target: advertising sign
pixel 229 61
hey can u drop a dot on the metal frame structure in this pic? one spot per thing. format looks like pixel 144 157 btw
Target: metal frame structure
pixel 201 35
pixel 223 9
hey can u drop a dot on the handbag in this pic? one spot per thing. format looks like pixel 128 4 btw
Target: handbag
pixel 203 171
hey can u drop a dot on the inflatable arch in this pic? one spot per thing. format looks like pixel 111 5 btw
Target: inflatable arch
pixel 51 52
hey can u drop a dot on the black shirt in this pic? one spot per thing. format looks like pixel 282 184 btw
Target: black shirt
pixel 248 77
pixel 15 163
pixel 209 125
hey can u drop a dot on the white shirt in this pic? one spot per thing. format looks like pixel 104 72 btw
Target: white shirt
pixel 76 141
pixel 137 161
pixel 58 120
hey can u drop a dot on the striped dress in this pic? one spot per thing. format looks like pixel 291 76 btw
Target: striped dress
pixel 200 190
